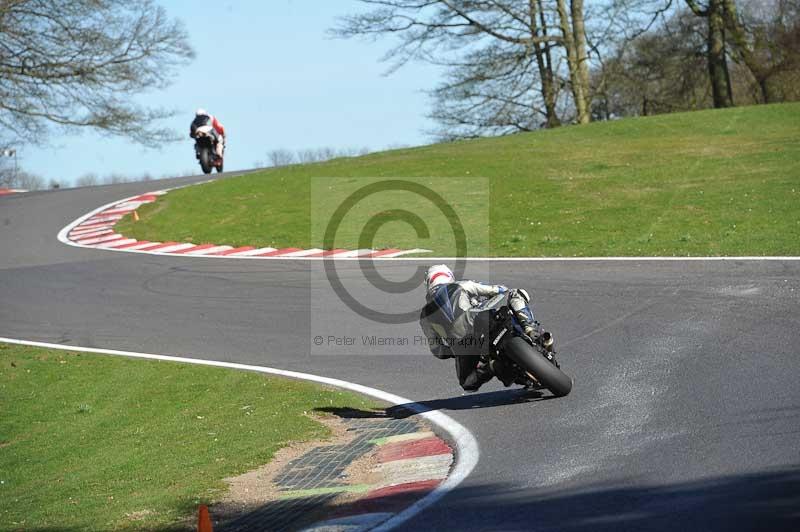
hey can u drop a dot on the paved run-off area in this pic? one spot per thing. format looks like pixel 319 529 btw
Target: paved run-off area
pixel 403 462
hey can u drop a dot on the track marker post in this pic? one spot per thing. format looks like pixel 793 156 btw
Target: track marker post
pixel 204 520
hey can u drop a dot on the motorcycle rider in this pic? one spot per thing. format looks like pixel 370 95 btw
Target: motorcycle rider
pixel 202 118
pixel 447 320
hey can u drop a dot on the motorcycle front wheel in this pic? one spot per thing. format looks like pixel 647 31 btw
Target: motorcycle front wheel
pixel 529 359
pixel 206 159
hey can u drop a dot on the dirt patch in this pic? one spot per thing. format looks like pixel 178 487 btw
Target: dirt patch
pixel 256 488
pixel 363 470
pixel 330 478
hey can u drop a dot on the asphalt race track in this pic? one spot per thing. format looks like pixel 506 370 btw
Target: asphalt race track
pixel 685 412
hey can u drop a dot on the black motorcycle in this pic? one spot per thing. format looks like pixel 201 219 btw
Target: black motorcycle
pixel 205 150
pixel 516 357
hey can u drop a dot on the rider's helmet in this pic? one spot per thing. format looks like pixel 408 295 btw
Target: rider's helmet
pixel 201 112
pixel 438 274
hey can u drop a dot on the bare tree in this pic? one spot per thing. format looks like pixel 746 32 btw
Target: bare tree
pixel 86 180
pixel 77 63
pixel 574 34
pixel 8 178
pixel 326 153
pixel 495 90
pixel 352 152
pixel 500 55
pixel 714 13
pixel 284 157
pixel 767 39
pixel 309 155
pixel 281 157
pixel 28 181
pixel 665 58
pixel 660 70
pixel 115 178
pixel 19 178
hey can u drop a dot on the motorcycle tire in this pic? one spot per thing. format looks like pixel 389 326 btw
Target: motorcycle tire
pixel 206 160
pixel 219 167
pixel 529 359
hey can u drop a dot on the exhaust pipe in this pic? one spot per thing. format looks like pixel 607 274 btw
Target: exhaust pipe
pixel 547 340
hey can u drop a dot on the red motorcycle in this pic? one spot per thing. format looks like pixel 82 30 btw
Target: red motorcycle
pixel 205 148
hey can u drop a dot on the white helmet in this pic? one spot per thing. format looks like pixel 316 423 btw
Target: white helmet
pixel 438 274
pixel 201 112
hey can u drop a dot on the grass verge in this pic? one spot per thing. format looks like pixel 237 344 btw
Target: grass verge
pixel 95 442
pixel 720 182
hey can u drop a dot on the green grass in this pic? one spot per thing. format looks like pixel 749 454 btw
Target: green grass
pixel 722 182
pixel 93 442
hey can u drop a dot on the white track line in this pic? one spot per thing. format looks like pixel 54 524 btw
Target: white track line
pixel 207 251
pixel 353 254
pixel 251 252
pixel 301 253
pixel 139 246
pixel 107 218
pixel 175 247
pixel 88 228
pixel 131 205
pixel 115 243
pixel 100 239
pixel 397 254
pixel 90 234
pixel 588 259
pixel 467 447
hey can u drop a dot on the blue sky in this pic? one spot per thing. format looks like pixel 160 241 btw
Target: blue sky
pixel 275 80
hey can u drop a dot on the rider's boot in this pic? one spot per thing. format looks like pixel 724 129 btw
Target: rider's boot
pixel 480 375
pixel 503 372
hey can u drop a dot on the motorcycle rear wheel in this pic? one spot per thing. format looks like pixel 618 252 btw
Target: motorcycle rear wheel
pixel 529 359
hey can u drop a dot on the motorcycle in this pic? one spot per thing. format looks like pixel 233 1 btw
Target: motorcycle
pixel 516 357
pixel 205 149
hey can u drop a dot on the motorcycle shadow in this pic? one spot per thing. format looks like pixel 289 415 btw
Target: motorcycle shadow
pixel 469 401
pixel 463 402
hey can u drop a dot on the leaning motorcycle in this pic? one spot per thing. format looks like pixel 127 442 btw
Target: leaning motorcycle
pixel 204 148
pixel 517 357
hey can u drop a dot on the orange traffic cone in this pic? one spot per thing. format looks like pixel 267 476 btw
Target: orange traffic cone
pixel 135 216
pixel 204 520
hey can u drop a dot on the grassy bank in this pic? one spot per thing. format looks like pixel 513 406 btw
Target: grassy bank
pixel 94 442
pixel 722 182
